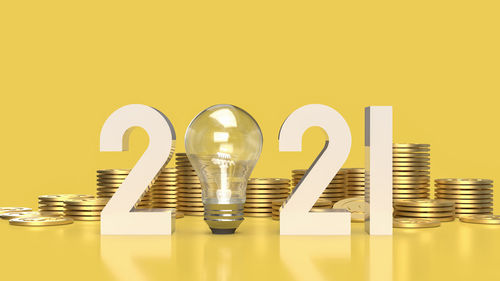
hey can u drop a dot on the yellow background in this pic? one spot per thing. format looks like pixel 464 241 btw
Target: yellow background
pixel 65 66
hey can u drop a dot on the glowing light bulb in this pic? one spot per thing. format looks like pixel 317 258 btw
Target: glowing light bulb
pixel 223 143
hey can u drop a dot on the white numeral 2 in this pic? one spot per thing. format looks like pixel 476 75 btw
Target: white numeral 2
pixel 117 217
pixel 295 218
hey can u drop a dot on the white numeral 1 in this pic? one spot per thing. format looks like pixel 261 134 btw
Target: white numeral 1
pixel 378 157
pixel 118 217
pixel 295 218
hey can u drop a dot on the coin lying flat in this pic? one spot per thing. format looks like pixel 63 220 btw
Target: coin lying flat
pixel 481 219
pixel 356 206
pixel 425 203
pixel 463 181
pixel 14 209
pixel 415 223
pixel 40 221
pixel 8 216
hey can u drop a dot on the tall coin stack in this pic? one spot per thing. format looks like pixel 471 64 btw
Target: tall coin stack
pixel 411 171
pixel 260 194
pixel 53 205
pixel 355 182
pixel 320 205
pixel 108 182
pixel 436 209
pixel 164 189
pixel 188 187
pixel 471 196
pixel 334 192
pixel 84 209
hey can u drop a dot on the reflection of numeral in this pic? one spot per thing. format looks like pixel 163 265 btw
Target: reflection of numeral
pixel 295 218
pixel 378 157
pixel 118 216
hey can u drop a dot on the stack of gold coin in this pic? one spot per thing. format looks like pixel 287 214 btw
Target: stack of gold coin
pixel 260 194
pixel 471 196
pixel 355 205
pixel 320 205
pixel 355 182
pixel 334 192
pixel 411 171
pixel 108 182
pixel 188 187
pixel 53 205
pixel 84 209
pixel 164 189
pixel 436 209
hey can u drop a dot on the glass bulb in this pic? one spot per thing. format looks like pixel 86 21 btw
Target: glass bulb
pixel 223 143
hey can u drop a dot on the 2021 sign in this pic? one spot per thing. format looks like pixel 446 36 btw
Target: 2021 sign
pixel 120 218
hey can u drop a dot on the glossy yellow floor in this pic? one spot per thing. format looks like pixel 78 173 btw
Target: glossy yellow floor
pixel 455 251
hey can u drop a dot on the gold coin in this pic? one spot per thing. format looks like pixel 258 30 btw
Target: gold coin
pixel 415 223
pixel 193 213
pixel 82 213
pixel 159 205
pixel 87 202
pixel 53 204
pixel 189 199
pixel 14 209
pixel 40 221
pixel 467 186
pixel 268 186
pixel 188 181
pixel 424 209
pixel 258 205
pixel 109 185
pixel 186 209
pixel 190 190
pixel 356 206
pixel 411 155
pixel 267 181
pixel 410 196
pixel 185 194
pixel 411 145
pixel 463 191
pixel 410 186
pixel 258 210
pixel 51 213
pixel 423 215
pixel 411 173
pixel 481 219
pixel 190 204
pixel 163 192
pixel 456 196
pixel 473 206
pixel 408 169
pixel 474 211
pixel 464 181
pixel 267 191
pixel 355 170
pixel 411 191
pixel 114 171
pixel 165 180
pixel 261 200
pixel 8 216
pixel 85 218
pixel 261 215
pixel 186 177
pixel 472 201
pixel 446 219
pixel 412 150
pixel 259 196
pixel 83 208
pixel 62 197
pixel 105 177
pixel 404 180
pixel 49 208
pixel 425 203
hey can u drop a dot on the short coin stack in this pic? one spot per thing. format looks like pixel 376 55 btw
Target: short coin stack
pixel 261 192
pixel 164 189
pixel 355 182
pixel 53 205
pixel 188 187
pixel 84 209
pixel 471 196
pixel 436 209
pixel 108 182
pixel 411 171
pixel 320 205
pixel 335 190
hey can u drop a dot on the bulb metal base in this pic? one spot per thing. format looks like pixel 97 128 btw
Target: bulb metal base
pixel 223 218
